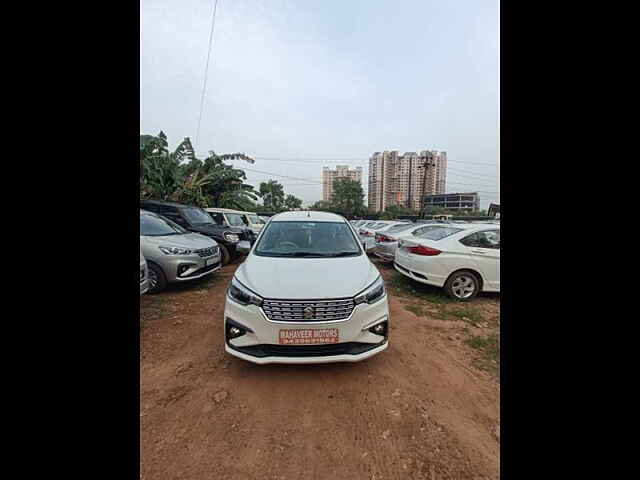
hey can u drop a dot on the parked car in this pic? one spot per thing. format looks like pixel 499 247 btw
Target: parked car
pixel 236 218
pixel 174 254
pixel 386 241
pixel 255 222
pixel 464 259
pixel 144 280
pixel 286 305
pixel 195 219
pixel 369 237
pixel 358 223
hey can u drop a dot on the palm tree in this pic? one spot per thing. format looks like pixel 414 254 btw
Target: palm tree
pixel 181 176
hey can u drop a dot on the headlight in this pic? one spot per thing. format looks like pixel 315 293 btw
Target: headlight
pixel 175 250
pixel 231 237
pixel 241 294
pixel 373 293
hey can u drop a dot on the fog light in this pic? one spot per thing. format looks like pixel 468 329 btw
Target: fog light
pixel 183 268
pixel 380 329
pixel 234 329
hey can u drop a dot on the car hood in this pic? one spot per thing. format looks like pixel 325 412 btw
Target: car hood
pixel 188 240
pixel 305 278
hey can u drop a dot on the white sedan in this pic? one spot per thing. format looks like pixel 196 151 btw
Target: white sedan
pixel 367 234
pixel 464 259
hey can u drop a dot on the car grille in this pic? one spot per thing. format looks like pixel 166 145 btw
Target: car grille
pixel 296 311
pixel 207 252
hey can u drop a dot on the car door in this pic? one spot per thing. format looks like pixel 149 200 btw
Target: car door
pixel 484 249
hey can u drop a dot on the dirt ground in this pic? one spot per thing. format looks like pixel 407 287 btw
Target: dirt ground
pixel 426 408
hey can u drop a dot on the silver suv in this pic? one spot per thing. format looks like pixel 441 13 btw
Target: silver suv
pixel 174 254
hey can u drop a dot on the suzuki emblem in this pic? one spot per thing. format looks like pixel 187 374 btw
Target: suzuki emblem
pixel 308 312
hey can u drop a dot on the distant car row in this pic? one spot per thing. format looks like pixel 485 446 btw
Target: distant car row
pixel 184 242
pixel 461 257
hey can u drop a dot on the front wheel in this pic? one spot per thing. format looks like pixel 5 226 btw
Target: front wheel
pixel 462 286
pixel 157 279
pixel 225 257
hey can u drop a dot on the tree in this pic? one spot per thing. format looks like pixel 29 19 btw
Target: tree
pixel 272 194
pixel 322 206
pixel 227 188
pixel 394 211
pixel 160 175
pixel 348 197
pixel 181 176
pixel 292 202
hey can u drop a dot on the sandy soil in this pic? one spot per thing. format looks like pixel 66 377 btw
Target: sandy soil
pixel 426 408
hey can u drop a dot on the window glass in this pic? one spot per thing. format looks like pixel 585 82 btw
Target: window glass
pixel 155 225
pixel 217 218
pixel 439 232
pixel 486 239
pixel 196 215
pixel 400 228
pixel 307 239
pixel 235 219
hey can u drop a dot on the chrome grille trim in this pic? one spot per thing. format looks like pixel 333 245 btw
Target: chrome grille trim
pixel 207 252
pixel 293 310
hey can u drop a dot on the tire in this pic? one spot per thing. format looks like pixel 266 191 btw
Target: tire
pixel 157 278
pixel 459 284
pixel 225 257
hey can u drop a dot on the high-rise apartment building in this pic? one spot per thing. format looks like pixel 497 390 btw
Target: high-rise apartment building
pixel 405 179
pixel 341 171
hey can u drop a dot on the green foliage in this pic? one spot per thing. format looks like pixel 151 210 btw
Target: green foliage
pixel 322 206
pixel 394 211
pixel 272 194
pixel 348 197
pixel 292 202
pixel 180 176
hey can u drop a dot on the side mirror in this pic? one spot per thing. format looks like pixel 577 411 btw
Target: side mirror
pixel 364 246
pixel 243 247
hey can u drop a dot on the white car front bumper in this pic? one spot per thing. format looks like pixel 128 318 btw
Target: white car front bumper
pixel 260 344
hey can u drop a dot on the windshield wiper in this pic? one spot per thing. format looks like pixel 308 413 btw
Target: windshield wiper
pixel 340 254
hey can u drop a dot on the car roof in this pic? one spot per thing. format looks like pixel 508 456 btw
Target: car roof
pixel 307 216
pixel 223 210
pixel 166 203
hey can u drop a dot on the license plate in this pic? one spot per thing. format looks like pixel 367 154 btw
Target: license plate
pixel 211 261
pixel 308 336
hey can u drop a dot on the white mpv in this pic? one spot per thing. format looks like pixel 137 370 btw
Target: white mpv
pixel 306 293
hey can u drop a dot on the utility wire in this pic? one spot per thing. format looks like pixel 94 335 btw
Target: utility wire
pixel 357 160
pixel 206 71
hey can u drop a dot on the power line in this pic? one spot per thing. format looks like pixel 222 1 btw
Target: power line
pixel 283 176
pixel 358 160
pixel 206 71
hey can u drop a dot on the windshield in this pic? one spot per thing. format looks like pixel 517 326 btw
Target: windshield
pixel 235 219
pixel 197 216
pixel 155 226
pixel 254 219
pixel 438 233
pixel 307 239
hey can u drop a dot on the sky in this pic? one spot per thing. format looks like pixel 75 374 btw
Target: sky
pixel 302 84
